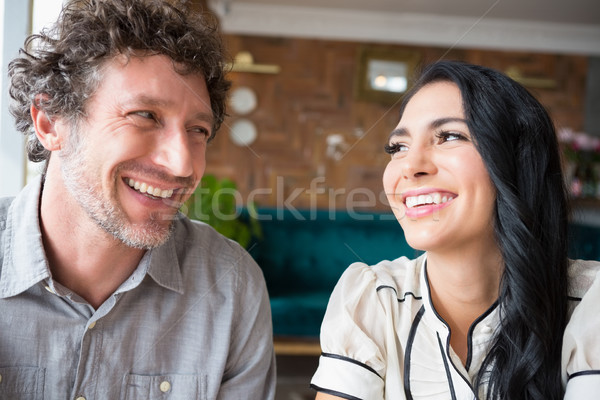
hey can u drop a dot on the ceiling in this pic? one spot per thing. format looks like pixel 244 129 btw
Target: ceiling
pixel 558 11
pixel 556 26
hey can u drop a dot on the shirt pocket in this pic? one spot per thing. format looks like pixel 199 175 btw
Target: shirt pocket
pixel 165 386
pixel 22 383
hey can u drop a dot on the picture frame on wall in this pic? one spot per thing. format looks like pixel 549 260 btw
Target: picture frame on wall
pixel 384 74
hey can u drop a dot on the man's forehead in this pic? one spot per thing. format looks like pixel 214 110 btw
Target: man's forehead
pixel 152 80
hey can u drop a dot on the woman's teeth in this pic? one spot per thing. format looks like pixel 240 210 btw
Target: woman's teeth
pixel 143 187
pixel 422 199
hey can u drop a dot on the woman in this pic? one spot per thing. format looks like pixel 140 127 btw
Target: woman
pixel 475 181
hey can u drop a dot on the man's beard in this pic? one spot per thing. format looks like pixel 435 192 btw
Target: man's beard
pixel 106 212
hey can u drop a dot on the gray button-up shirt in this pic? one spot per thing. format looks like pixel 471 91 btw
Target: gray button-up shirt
pixel 192 322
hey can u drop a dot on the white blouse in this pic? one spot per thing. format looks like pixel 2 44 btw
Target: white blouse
pixel 382 339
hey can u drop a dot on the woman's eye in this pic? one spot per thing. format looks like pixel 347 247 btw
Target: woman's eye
pixel 394 148
pixel 449 137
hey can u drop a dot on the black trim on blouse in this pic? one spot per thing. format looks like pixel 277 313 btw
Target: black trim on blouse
pixel 400 300
pixel 583 373
pixel 407 354
pixel 470 333
pixel 350 360
pixel 334 393
pixel 448 373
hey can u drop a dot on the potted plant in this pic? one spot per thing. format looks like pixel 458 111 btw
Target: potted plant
pixel 215 203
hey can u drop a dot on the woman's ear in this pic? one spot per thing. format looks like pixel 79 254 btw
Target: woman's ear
pixel 45 127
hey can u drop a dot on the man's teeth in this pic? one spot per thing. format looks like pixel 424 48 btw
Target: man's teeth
pixel 143 187
pixel 433 198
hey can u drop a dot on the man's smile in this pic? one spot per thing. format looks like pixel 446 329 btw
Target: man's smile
pixel 146 188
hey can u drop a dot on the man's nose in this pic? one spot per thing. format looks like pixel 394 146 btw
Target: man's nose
pixel 174 153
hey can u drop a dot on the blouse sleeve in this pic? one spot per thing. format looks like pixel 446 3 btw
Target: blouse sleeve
pixel 352 363
pixel 581 347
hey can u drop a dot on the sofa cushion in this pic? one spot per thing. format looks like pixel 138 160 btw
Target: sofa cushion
pixel 299 314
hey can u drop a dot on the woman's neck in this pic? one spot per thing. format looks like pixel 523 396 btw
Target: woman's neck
pixel 463 286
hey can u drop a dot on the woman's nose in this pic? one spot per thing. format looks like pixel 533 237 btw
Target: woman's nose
pixel 417 162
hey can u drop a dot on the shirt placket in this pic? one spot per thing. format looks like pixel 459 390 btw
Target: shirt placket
pixel 91 354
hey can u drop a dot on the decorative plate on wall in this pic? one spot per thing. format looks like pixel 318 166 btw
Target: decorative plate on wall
pixel 243 132
pixel 243 100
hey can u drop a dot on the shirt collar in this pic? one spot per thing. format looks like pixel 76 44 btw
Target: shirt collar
pixel 164 263
pixel 431 317
pixel 24 263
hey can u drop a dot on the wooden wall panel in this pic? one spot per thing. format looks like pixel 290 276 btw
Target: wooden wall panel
pixel 312 97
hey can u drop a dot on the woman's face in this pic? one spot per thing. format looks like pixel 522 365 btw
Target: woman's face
pixel 436 182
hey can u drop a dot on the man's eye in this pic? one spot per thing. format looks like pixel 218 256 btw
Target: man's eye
pixel 145 114
pixel 200 131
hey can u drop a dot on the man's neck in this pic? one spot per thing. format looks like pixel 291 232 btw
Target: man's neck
pixel 82 256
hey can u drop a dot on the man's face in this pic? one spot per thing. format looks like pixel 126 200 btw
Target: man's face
pixel 140 151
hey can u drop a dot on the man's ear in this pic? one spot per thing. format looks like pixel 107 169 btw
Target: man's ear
pixel 45 127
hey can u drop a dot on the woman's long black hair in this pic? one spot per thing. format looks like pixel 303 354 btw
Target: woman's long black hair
pixel 517 142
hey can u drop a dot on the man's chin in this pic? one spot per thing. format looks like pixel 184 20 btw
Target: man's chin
pixel 146 240
pixel 146 236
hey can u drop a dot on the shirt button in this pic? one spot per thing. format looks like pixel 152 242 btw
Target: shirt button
pixel 0 378
pixel 165 386
pixel 92 325
pixel 486 329
pixel 80 398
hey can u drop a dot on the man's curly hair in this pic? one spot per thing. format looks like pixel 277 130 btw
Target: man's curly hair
pixel 64 64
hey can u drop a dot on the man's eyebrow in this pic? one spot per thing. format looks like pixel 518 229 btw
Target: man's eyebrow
pixel 205 117
pixel 147 100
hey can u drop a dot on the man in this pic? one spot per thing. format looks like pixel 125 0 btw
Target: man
pixel 106 292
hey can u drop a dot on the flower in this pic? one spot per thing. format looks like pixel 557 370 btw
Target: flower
pixel 579 147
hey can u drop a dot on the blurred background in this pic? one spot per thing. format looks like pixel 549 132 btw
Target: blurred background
pixel 316 91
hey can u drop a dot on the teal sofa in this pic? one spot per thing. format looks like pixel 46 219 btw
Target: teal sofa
pixel 303 254
pixel 584 241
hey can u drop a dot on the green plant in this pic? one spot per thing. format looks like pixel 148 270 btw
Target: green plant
pixel 215 203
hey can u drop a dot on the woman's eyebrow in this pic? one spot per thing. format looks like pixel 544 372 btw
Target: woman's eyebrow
pixel 442 121
pixel 436 123
pixel 402 132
